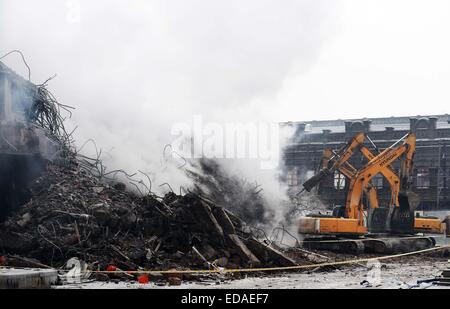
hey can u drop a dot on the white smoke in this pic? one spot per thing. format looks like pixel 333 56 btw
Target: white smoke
pixel 135 68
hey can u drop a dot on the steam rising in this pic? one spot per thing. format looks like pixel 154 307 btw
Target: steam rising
pixel 133 69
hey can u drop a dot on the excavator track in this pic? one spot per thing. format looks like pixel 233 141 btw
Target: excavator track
pixel 374 244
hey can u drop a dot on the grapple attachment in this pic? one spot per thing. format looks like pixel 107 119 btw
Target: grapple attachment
pixel 402 218
pixel 316 179
pixel 393 220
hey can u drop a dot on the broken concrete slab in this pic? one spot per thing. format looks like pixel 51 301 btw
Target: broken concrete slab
pixel 16 242
pixel 265 252
pixel 224 221
pixel 205 216
pixel 27 278
pixel 242 250
pixel 66 218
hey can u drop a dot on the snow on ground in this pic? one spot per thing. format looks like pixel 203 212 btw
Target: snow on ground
pixel 392 274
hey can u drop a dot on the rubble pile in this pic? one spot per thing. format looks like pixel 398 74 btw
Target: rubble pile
pixel 242 197
pixel 73 214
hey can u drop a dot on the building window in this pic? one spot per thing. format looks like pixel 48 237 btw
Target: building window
pixel 377 181
pixel 423 178
pixel 292 179
pixel 339 181
pixel 444 178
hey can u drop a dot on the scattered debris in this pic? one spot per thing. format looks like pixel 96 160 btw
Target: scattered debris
pixel 111 229
pixel 143 279
pixel 235 194
pixel 174 280
pixel 27 278
pixel 77 271
pixel 444 279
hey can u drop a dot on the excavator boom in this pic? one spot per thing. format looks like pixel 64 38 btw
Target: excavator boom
pixel 359 220
pixel 356 218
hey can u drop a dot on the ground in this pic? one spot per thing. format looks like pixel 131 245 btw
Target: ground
pixel 402 273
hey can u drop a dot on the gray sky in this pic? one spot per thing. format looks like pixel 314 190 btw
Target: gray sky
pixel 133 68
pixel 289 60
pixel 388 58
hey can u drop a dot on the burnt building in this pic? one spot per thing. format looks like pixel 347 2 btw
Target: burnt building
pixel 431 177
pixel 24 145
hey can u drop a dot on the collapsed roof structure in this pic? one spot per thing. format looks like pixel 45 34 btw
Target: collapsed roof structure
pixel 30 122
pixel 67 210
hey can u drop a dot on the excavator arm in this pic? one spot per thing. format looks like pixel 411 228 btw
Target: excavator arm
pixel 337 161
pixel 360 181
pixel 349 171
pixel 396 218
pixel 393 219
pixel 380 164
pixel 389 175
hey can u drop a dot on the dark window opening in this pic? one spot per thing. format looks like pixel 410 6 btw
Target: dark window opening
pixel 16 174
pixel 444 178
pixel 377 181
pixel 423 178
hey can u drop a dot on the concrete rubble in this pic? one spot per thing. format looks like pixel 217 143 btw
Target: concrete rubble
pixel 27 278
pixel 64 220
pixel 69 213
pixel 74 214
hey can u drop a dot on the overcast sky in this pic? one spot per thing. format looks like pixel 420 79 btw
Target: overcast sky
pixel 134 68
pixel 388 58
pixel 288 60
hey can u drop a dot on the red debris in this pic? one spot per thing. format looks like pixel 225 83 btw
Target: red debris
pixel 143 279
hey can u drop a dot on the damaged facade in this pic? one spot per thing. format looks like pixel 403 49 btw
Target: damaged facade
pixel 71 211
pixel 24 146
pixel 16 97
pixel 431 180
pixel 18 102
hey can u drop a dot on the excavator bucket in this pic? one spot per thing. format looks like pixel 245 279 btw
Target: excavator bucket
pixel 402 217
pixel 378 220
pixel 403 201
pixel 393 220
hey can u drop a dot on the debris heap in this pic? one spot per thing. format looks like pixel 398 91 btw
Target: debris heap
pixel 73 214
pixel 235 193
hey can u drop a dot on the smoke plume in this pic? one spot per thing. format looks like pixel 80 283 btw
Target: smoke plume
pixel 133 69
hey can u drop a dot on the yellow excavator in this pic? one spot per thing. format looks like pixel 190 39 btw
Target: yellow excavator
pixel 356 219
